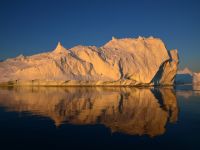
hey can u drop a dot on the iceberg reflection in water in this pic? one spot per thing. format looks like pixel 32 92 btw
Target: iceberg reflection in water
pixel 133 111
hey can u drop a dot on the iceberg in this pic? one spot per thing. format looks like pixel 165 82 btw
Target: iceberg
pixel 196 78
pixel 184 76
pixel 120 62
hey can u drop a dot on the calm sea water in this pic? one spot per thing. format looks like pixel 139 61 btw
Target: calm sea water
pixel 100 118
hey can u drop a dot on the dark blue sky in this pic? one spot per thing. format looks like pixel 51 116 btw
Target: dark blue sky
pixel 34 26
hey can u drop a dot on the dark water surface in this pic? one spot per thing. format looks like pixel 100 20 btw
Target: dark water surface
pixel 100 118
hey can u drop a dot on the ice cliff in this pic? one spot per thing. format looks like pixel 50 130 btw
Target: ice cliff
pixel 128 61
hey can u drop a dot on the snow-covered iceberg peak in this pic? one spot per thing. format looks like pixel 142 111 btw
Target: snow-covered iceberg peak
pixel 59 48
pixel 185 71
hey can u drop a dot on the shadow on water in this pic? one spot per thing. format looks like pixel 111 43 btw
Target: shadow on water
pixel 131 111
pixel 184 78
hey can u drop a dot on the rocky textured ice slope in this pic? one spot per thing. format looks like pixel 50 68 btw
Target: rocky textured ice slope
pixel 129 61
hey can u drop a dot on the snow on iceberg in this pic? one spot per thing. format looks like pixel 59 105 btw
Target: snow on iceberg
pixel 129 61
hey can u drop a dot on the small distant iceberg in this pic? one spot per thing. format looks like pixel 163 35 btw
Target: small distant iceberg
pixel 196 78
pixel 186 76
